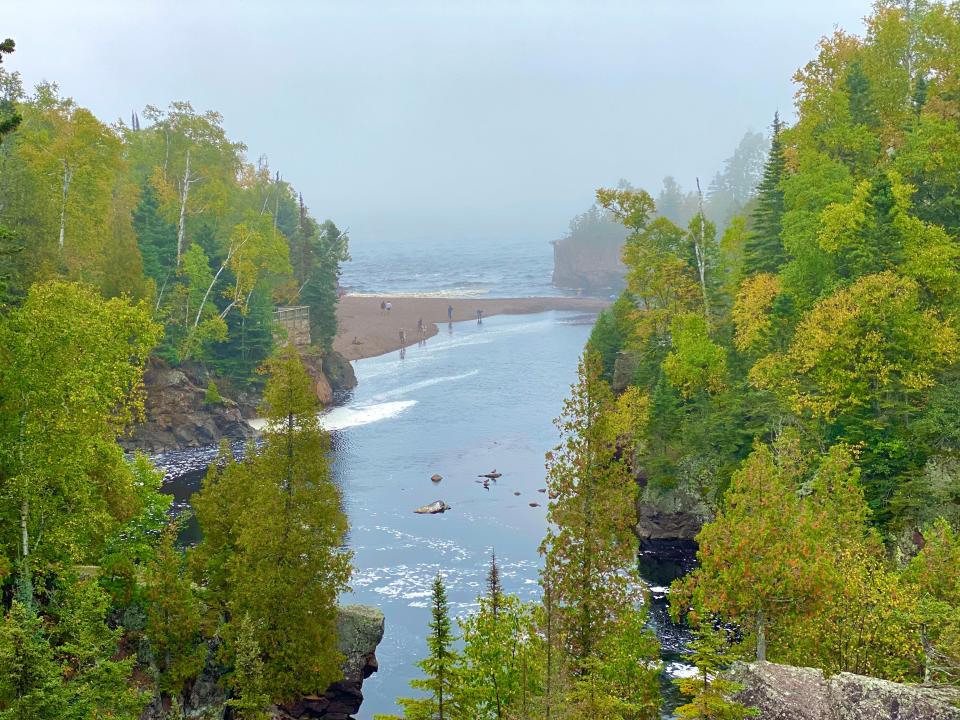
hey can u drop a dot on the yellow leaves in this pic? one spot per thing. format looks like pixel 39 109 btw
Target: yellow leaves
pixel 628 420
pixel 696 364
pixel 631 207
pixel 751 311
pixel 867 346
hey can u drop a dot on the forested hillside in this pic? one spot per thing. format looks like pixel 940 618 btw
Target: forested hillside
pixel 801 369
pixel 118 243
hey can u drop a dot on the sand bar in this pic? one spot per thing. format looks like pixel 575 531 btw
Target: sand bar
pixel 378 332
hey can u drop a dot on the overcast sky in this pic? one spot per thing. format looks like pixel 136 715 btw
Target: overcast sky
pixel 444 120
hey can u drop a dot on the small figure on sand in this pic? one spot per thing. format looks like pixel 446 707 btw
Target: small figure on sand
pixel 449 313
pixel 389 307
pixel 357 341
pixel 421 333
pixel 403 338
pixel 479 316
pixel 383 306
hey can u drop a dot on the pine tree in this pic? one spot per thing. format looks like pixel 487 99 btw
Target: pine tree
pixel 274 530
pixel 173 618
pixel 439 666
pixel 31 681
pixel 764 250
pixel 590 549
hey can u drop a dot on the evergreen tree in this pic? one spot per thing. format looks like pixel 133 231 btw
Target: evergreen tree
pixel 173 619
pixel 157 240
pixel 859 100
pixel 439 667
pixel 764 250
pixel 31 681
pixel 273 530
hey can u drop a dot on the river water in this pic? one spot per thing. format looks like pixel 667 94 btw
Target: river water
pixel 472 399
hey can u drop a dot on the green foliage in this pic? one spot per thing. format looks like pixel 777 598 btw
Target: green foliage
pixel 764 250
pixel 212 395
pixel 709 690
pixel 273 530
pixel 173 618
pixel 439 666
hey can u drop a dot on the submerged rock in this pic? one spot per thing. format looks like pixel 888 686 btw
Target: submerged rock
pixel 436 478
pixel 437 506
pixel 784 692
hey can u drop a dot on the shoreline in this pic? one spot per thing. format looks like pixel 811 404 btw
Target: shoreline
pixel 378 332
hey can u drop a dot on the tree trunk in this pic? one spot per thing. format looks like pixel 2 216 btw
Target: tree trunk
pixel 700 248
pixel 184 192
pixel 67 177
pixel 761 637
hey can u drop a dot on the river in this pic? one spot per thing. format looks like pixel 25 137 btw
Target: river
pixel 472 399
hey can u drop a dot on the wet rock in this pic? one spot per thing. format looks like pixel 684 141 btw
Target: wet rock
pixel 784 692
pixel 437 506
pixel 534 504
pixel 516 492
pixel 339 372
pixel 177 415
pixel 436 478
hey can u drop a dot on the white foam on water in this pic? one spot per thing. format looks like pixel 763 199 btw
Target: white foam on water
pixel 681 670
pixel 406 389
pixel 341 418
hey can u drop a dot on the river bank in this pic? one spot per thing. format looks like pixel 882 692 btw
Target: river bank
pixel 365 330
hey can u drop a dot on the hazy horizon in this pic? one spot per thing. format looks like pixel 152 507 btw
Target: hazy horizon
pixel 444 121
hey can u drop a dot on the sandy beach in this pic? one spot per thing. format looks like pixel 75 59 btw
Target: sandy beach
pixel 377 332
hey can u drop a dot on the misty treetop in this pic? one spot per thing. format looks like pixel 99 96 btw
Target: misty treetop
pixel 167 209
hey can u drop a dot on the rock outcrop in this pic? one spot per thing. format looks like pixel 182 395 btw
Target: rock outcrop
pixel 178 416
pixel 674 514
pixel 783 692
pixel 339 372
pixel 591 268
pixel 360 629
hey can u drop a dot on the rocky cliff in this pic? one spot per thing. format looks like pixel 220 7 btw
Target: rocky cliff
pixel 179 416
pixel 360 630
pixel 783 692
pixel 594 268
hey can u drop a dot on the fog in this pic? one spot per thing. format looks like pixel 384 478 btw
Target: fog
pixel 460 121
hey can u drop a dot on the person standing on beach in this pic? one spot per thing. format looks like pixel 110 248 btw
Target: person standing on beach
pixel 389 307
pixel 479 316
pixel 383 306
pixel 449 313
pixel 420 333
pixel 403 339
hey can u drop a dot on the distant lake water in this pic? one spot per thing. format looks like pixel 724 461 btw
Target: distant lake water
pixel 451 269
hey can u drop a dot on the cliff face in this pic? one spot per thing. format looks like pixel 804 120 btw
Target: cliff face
pixel 783 692
pixel 591 267
pixel 588 258
pixel 178 416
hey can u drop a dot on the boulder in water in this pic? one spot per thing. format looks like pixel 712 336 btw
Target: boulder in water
pixel 534 504
pixel 436 478
pixel 437 506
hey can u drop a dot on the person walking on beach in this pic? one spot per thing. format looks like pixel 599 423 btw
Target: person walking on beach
pixel 389 307
pixel 403 339
pixel 383 306
pixel 479 316
pixel 449 313
pixel 420 332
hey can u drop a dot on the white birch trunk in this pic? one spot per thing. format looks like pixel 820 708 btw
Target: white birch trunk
pixel 184 192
